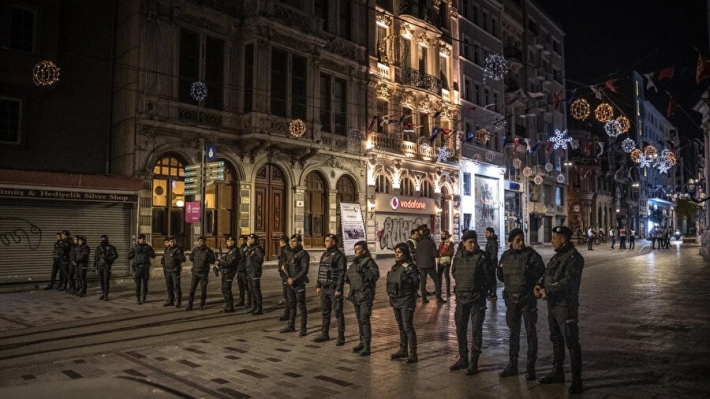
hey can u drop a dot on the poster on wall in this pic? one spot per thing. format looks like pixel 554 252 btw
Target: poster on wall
pixel 393 229
pixel 353 226
pixel 487 203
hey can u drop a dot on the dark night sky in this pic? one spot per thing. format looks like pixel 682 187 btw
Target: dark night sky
pixel 608 38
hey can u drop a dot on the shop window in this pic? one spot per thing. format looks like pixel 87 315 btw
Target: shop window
pixel 314 213
pixel 169 201
pixel 384 186
pixel 427 190
pixel 467 184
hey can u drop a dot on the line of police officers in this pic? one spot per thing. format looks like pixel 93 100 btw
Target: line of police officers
pixel 520 268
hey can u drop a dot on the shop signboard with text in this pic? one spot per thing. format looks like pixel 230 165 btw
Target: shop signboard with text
pixel 353 226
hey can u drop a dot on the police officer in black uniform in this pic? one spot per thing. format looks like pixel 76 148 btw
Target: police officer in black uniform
pixel 242 281
pixel 519 269
pixel 73 276
pixel 296 271
pixel 172 260
pixel 492 245
pixel 362 275
pixel 255 260
pixel 202 257
pixel 474 279
pixel 331 278
pixel 402 285
pixel 284 256
pixel 141 254
pixel 81 261
pixel 104 257
pixel 559 286
pixel 56 263
pixel 228 269
pixel 65 248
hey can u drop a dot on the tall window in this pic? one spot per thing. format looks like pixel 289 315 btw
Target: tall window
pixel 201 59
pixel 22 29
pixel 382 110
pixel 466 48
pixel 383 185
pixel 467 89
pixel 427 190
pixel 443 71
pixel 169 201
pixel 422 59
pixel 340 105
pixel 325 103
pixel 299 75
pixel 320 9
pixel 406 53
pixel 333 104
pixel 407 187
pixel 477 89
pixel 467 184
pixel 443 15
pixel 248 77
pixel 409 134
pixel 10 120
pixel 279 81
pixel 315 205
pixel 345 20
pixel 285 70
pixel 426 129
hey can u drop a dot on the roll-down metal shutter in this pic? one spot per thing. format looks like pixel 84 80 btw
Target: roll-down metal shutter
pixel 28 229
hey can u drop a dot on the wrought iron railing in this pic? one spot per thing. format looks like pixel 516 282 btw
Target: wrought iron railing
pixel 413 77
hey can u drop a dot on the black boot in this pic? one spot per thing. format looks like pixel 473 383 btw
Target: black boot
pixel 178 304
pixel 169 303
pixel 576 387
pixel 473 364
pixel 240 303
pixel 359 347
pixel 103 295
pixel 138 301
pixel 283 318
pixel 512 369
pixel 460 364
pixel 49 286
pixel 530 370
pixel 341 340
pixel 143 299
pixel 557 376
pixel 257 311
pixel 289 328
pixel 413 358
pixel 400 354
pixel 366 349
pixel 322 338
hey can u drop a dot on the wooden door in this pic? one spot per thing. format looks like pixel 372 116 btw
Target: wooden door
pixel 270 208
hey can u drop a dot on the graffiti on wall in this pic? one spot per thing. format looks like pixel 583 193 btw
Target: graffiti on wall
pixel 391 230
pixel 18 231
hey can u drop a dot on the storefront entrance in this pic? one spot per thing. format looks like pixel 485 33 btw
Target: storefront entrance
pixel 270 208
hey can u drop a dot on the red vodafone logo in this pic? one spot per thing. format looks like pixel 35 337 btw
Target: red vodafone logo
pixel 395 203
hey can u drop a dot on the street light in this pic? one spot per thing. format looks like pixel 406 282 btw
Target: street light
pixel 691 188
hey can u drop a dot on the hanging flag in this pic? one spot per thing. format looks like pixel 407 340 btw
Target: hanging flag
pixel 571 96
pixel 601 146
pixel 549 145
pixel 650 84
pixel 703 69
pixel 665 73
pixel 504 140
pixel 597 92
pixel 532 150
pixel 470 136
pixel 434 133
pixel 527 144
pixel 610 85
pixel 672 105
pixel 384 120
pixel 515 144
pixel 556 99
pixel 436 115
pixel 372 123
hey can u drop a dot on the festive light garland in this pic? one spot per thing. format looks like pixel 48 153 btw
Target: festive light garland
pixel 560 140
pixel 483 135
pixel 297 128
pixel 476 159
pixel 604 112
pixel 579 109
pixel 198 91
pixel 517 163
pixel 560 178
pixel 635 155
pixel 538 180
pixel 495 67
pixel 527 172
pixel 644 162
pixel 625 123
pixel 613 128
pixel 500 124
pixel 548 167
pixel 443 154
pixel 490 155
pixel 45 73
pixel 628 145
pixel 650 152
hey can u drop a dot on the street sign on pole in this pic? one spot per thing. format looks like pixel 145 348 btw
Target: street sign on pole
pixel 196 179
pixel 217 164
pixel 192 173
pixel 192 167
pixel 211 152
pixel 191 192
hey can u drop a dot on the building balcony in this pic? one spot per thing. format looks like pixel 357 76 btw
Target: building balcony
pixel 383 71
pixel 421 80
pixel 410 149
pixel 513 54
pixel 426 14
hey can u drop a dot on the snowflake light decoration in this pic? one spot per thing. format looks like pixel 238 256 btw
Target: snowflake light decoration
pixel 663 167
pixel 483 135
pixel 604 112
pixel 628 145
pixel 527 172
pixel 635 155
pixel 538 180
pixel 559 139
pixel 560 178
pixel 500 124
pixel 613 128
pixel 490 155
pixel 45 73
pixel 198 91
pixel 644 162
pixel 548 167
pixel 579 109
pixel 495 67
pixel 625 123
pixel 517 163
pixel 476 159
pixel 650 152
pixel 443 153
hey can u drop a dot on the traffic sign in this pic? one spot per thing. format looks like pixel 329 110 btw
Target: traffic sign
pixel 191 192
pixel 192 167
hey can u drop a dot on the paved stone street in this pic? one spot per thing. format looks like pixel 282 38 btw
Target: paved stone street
pixel 644 326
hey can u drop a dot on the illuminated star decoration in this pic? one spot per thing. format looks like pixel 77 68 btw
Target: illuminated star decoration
pixel 442 154
pixel 198 91
pixel 559 139
pixel 548 167
pixel 613 128
pixel 628 145
pixel 527 172
pixel 663 167
pixel 490 155
pixel 644 162
pixel 495 67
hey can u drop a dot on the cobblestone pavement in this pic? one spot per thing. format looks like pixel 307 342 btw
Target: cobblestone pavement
pixel 644 326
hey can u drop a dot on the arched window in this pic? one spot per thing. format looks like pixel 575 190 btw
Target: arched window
pixel 427 190
pixel 315 208
pixel 407 187
pixel 383 185
pixel 220 209
pixel 169 202
pixel 346 193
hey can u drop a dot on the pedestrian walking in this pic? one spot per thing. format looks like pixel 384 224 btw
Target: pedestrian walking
pixel 56 263
pixel 659 237
pixel 284 256
pixel 492 246
pixel 622 237
pixel 412 241
pixel 590 238
pixel 172 260
pixel 296 270
pixel 612 236
pixel 81 262
pixel 632 239
pixel 652 233
pixel 666 237
pixel 446 252
pixel 559 286
pixel 402 284
pixel 362 276
pixel 104 257
pixel 242 280
pixel 425 257
pixel 202 257
pixel 227 267
pixel 331 278
pixel 140 256
pixel 519 269
pixel 255 260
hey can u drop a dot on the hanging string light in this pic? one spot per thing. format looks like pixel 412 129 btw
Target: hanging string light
pixel 625 123
pixel 482 136
pixel 198 91
pixel 560 140
pixel 517 163
pixel 45 73
pixel 527 172
pixel 560 178
pixel 604 113
pixel 495 67
pixel 579 109
pixel 476 159
pixel 650 152
pixel 548 167
pixel 628 145
pixel 297 128
pixel 612 128
pixel 538 180
pixel 635 155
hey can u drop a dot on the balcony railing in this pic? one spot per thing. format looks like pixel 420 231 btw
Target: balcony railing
pixel 385 142
pixel 413 77
pixel 426 14
pixel 410 149
pixel 383 71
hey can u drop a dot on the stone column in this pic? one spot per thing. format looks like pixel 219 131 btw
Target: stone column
pixel 298 208
pixel 332 212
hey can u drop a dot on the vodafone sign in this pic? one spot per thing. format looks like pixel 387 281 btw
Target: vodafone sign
pixel 396 203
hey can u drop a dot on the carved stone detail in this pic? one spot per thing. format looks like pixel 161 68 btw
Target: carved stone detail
pixel 454 12
pixel 292 18
pixel 408 99
pixel 383 19
pixel 406 30
pixel 382 91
